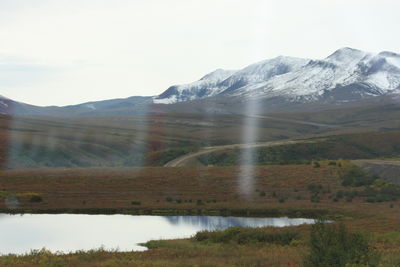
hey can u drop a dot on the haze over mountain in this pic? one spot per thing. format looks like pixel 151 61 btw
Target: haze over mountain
pixel 282 83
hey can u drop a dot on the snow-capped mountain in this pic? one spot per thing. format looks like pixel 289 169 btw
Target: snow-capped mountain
pixel 345 75
pixel 205 87
pixel 262 71
pixel 224 81
pixel 353 69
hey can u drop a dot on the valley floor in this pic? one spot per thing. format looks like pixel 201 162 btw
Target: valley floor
pixel 294 190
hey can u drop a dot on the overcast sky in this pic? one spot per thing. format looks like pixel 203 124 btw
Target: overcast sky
pixel 59 52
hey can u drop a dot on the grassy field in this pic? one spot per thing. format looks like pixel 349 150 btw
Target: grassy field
pixel 154 139
pixel 150 140
pixel 294 190
pixel 216 188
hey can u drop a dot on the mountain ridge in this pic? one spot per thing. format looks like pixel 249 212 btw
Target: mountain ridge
pixel 296 78
pixel 347 75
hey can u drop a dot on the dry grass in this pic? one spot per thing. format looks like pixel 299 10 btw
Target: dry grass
pixel 179 254
pixel 216 187
pixel 113 190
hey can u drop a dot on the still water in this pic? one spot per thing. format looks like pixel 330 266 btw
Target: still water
pixel 70 232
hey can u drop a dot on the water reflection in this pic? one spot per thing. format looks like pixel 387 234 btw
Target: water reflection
pixel 217 223
pixel 71 232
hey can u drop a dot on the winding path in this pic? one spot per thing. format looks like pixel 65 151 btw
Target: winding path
pixel 180 161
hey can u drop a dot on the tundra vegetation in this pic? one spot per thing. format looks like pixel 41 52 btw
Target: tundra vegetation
pixel 307 192
pixel 314 179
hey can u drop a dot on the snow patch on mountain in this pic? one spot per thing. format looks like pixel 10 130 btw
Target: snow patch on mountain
pixel 262 71
pixel 344 67
pixel 170 100
pixel 3 104
pixel 90 106
pixel 205 87
pixel 226 81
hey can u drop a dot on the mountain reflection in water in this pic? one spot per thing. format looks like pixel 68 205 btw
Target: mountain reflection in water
pixel 218 223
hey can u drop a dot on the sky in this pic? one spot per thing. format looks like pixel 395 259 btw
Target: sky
pixel 61 52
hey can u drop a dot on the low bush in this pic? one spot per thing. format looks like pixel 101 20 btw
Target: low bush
pixel 355 176
pixel 315 198
pixel 335 247
pixel 242 236
pixel 199 202
pixel 314 188
pixel 35 199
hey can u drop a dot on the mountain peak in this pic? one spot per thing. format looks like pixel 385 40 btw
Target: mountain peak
pixel 346 53
pixel 218 75
pixel 347 50
pixel 291 77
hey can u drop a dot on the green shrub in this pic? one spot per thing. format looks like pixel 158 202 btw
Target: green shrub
pixel 243 236
pixel 35 199
pixel 334 247
pixel 200 202
pixel 339 194
pixel 136 203
pixel 385 192
pixel 315 198
pixel 355 176
pixel 314 188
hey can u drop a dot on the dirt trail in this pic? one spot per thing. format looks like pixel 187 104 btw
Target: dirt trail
pixel 180 161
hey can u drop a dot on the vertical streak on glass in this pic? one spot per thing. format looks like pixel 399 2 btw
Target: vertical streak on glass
pixel 141 139
pixel 209 130
pixel 5 142
pixel 249 136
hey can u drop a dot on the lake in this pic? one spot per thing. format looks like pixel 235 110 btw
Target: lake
pixel 71 232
